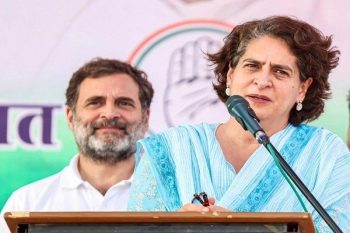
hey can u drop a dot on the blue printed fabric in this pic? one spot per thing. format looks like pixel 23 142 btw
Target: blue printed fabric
pixel 184 160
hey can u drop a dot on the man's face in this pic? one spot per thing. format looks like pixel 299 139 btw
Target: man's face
pixel 108 119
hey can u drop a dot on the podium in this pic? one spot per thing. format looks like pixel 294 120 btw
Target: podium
pixel 135 222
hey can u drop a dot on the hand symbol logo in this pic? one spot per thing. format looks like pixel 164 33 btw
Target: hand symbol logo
pixel 189 96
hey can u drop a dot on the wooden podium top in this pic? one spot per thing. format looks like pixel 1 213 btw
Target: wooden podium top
pixel 302 220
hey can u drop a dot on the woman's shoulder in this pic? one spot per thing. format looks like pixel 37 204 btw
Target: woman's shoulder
pixel 181 135
pixel 322 136
pixel 185 130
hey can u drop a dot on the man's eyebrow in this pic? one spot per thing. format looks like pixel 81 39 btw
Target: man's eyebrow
pixel 124 98
pixel 94 98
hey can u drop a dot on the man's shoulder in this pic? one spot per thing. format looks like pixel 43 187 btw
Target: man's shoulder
pixel 24 197
pixel 37 186
pixel 50 182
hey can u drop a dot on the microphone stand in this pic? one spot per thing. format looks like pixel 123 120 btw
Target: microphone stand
pixel 263 139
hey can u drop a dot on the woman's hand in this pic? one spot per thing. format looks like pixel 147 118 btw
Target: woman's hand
pixel 194 208
pixel 199 208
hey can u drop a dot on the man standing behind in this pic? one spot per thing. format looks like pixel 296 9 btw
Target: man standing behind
pixel 107 109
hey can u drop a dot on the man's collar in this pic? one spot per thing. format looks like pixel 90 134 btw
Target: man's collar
pixel 70 175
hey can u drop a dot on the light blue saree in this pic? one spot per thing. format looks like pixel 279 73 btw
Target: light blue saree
pixel 174 165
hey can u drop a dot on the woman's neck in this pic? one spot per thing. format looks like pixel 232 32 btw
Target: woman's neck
pixel 238 144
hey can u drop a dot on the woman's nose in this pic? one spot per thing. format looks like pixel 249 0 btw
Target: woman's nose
pixel 263 80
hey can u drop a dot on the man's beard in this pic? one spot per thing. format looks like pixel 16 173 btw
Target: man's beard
pixel 108 147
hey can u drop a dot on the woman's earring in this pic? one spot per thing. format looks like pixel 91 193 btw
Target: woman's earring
pixel 228 91
pixel 299 106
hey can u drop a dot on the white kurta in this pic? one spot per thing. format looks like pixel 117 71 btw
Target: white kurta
pixel 66 191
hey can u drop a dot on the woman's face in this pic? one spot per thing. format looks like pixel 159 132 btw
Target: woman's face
pixel 268 77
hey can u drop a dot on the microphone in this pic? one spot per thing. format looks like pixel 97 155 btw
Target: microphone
pixel 239 108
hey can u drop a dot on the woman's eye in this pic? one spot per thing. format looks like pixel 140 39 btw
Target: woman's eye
pixel 251 66
pixel 282 73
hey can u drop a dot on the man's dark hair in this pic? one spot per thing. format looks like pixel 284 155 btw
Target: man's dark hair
pixel 100 67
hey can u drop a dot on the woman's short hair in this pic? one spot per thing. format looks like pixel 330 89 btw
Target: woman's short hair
pixel 314 53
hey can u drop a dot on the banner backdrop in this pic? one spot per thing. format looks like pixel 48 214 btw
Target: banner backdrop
pixel 43 42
